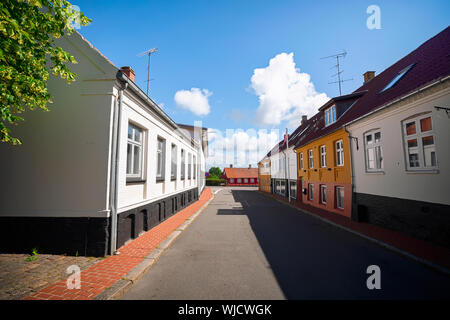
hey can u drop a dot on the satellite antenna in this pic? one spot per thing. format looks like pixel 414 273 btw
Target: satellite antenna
pixel 339 71
pixel 149 52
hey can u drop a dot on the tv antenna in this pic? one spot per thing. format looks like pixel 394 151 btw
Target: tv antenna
pixel 149 52
pixel 339 71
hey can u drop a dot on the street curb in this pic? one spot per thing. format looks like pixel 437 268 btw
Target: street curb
pixel 376 241
pixel 118 289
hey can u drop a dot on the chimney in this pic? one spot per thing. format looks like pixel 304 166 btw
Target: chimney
pixel 249 166
pixel 128 72
pixel 304 118
pixel 231 166
pixel 369 75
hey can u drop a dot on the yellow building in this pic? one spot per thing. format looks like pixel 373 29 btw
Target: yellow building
pixel 264 175
pixel 324 160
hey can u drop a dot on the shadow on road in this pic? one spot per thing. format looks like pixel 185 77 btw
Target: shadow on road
pixel 314 260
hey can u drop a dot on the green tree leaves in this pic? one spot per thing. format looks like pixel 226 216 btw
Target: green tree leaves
pixel 27 32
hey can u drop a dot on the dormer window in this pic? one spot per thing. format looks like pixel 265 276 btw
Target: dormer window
pixel 330 115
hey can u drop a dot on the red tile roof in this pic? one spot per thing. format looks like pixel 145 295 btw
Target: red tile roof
pixel 431 62
pixel 240 173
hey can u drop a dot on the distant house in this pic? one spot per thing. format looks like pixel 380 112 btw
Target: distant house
pixel 103 166
pixel 241 176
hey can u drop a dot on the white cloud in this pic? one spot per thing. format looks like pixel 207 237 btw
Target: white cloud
pixel 194 100
pixel 285 94
pixel 239 147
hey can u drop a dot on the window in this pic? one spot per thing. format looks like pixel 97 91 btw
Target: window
pixel 311 159
pixel 231 180
pixel 194 168
pixel 173 158
pixel 374 156
pixel 245 180
pixel 323 156
pixel 252 180
pixel 283 187
pixel 398 77
pixel 160 158
pixel 310 191
pixel 339 153
pixel 419 139
pixel 239 180
pixel 330 115
pixel 134 152
pixel 323 194
pixel 189 166
pixel 277 186
pixel 183 164
pixel 293 189
pixel 340 197
pixel 301 160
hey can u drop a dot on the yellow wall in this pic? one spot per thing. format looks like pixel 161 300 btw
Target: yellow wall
pixel 337 174
pixel 264 176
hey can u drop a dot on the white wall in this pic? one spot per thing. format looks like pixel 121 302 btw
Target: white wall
pixel 62 167
pixel 135 194
pixel 396 181
pixel 278 172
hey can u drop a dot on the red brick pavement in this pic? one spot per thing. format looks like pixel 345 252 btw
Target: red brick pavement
pixel 105 273
pixel 425 250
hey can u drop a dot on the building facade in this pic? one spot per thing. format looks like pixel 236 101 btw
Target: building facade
pixel 264 175
pixel 103 166
pixel 241 176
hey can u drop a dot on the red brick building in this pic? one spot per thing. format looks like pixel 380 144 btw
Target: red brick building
pixel 241 176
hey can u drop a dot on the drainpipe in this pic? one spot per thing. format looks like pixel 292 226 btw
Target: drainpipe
pixel 353 209
pixel 114 186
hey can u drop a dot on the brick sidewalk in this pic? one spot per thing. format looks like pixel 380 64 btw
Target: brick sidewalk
pixel 437 255
pixel 104 274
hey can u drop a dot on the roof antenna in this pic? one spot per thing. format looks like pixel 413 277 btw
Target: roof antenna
pixel 339 72
pixel 149 52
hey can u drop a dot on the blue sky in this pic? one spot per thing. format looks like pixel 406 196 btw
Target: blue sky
pixel 217 45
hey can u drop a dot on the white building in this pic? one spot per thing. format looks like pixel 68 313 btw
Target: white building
pixel 103 166
pixel 400 152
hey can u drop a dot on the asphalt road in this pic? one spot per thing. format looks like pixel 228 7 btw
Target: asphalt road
pixel 247 246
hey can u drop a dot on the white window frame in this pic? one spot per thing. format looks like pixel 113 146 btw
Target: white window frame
pixel 419 135
pixel 339 146
pixel 194 167
pixel 310 159
pixel 323 188
pixel 301 160
pixel 375 147
pixel 183 164
pixel 323 156
pixel 139 144
pixel 174 161
pixel 160 158
pixel 340 201
pixel 293 193
pixel 330 115
pixel 311 191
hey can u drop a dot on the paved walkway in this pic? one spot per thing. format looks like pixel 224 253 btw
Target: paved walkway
pixel 20 278
pixel 248 246
pixel 102 275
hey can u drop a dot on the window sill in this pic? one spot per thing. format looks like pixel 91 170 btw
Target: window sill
pixel 160 180
pixel 173 178
pixel 375 172
pixel 135 181
pixel 423 171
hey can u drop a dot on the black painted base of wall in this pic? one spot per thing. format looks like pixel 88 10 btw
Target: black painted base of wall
pixel 71 236
pixel 86 236
pixel 133 222
pixel 422 220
